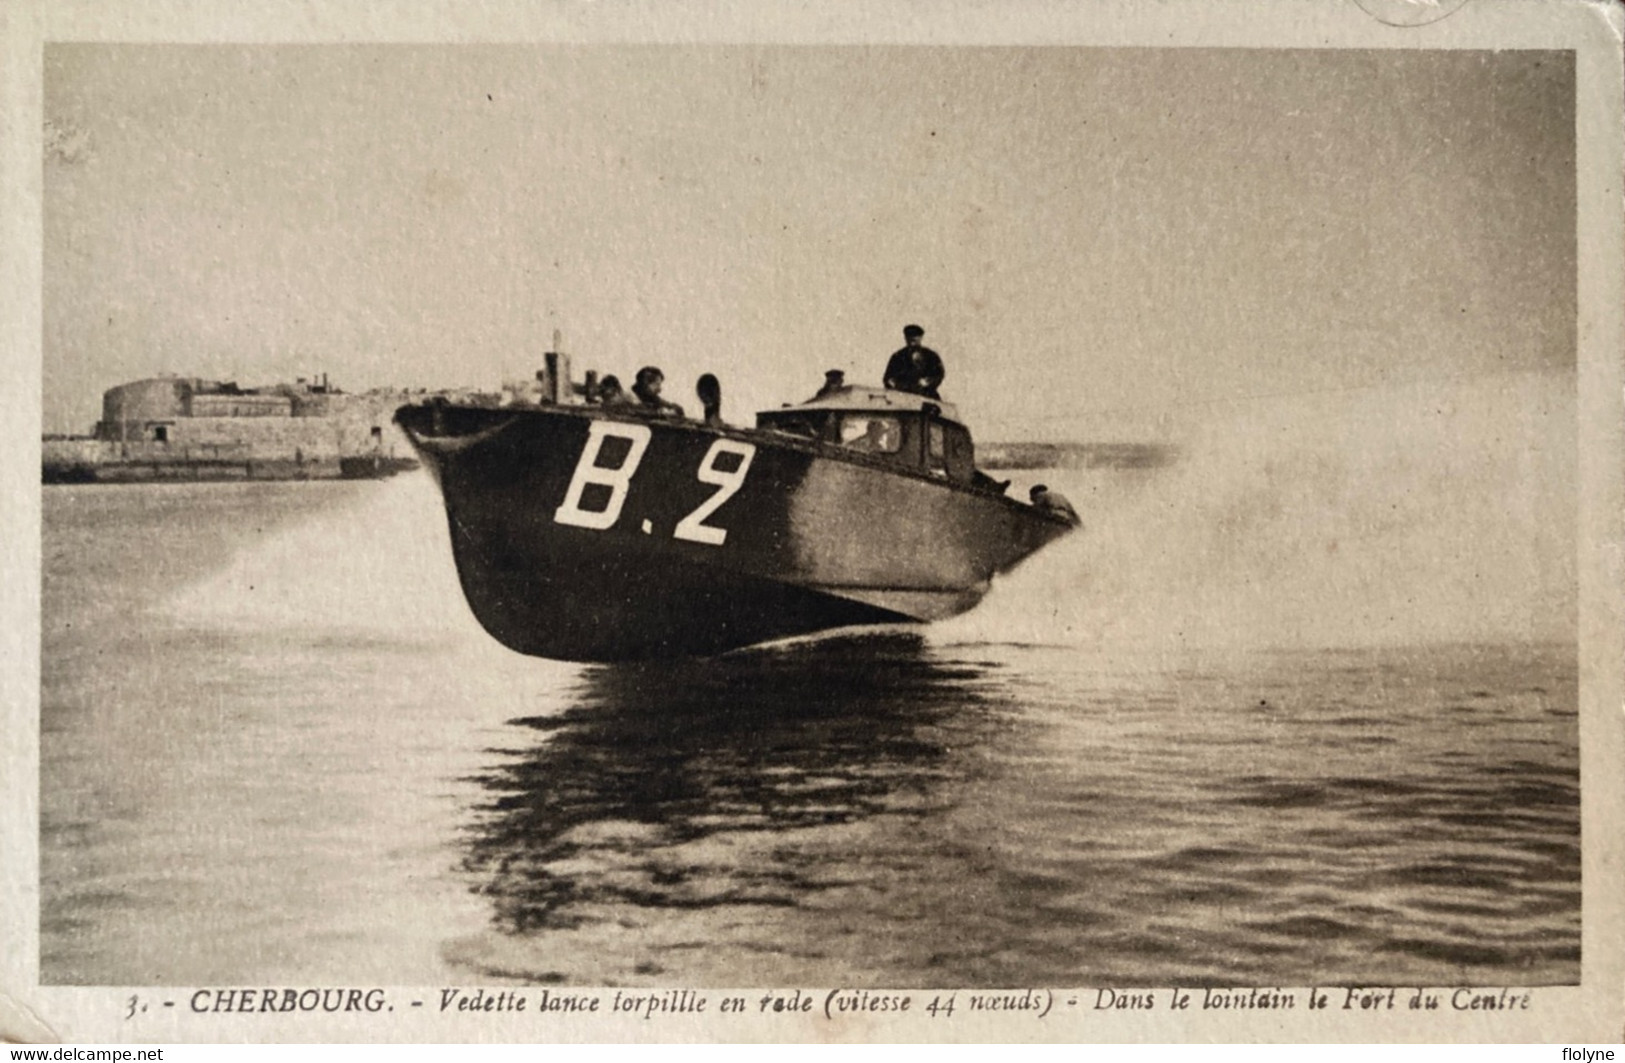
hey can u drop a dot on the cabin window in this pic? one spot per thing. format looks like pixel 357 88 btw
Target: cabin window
pixel 936 451
pixel 872 435
pixel 961 455
pixel 809 427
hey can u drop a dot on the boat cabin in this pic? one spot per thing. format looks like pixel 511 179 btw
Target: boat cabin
pixel 898 427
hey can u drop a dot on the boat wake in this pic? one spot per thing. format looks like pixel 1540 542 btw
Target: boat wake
pixel 374 563
pixel 1429 513
pixel 1423 513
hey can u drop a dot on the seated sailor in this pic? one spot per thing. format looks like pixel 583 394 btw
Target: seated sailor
pixel 834 380
pixel 978 478
pixel 610 392
pixel 915 368
pixel 871 435
pixel 647 389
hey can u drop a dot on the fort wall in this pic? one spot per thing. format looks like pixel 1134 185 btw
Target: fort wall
pixel 179 428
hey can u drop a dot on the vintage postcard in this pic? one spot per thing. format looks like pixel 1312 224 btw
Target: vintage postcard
pixel 624 522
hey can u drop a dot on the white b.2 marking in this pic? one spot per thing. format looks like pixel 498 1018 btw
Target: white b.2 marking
pixel 693 526
pixel 588 471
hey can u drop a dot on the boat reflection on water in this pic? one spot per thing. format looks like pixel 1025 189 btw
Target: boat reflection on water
pixel 703 820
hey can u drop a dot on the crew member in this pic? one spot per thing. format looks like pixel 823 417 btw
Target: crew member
pixel 610 392
pixel 834 380
pixel 980 479
pixel 709 389
pixel 647 389
pixel 915 368
pixel 1053 502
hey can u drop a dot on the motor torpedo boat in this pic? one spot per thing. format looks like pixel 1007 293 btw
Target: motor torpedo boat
pixel 586 531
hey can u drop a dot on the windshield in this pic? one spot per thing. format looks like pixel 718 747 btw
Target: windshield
pixel 872 435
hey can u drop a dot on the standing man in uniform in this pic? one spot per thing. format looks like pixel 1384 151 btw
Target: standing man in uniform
pixel 915 368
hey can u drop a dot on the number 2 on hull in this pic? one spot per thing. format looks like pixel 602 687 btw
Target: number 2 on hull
pixel 693 526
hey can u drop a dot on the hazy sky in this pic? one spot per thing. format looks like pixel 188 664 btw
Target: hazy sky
pixel 1089 236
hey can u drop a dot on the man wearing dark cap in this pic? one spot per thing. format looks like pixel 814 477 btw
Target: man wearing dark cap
pixel 915 368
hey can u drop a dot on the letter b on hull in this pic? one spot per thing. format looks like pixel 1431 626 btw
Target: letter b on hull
pixel 588 471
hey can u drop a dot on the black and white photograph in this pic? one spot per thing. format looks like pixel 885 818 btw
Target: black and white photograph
pixel 1002 522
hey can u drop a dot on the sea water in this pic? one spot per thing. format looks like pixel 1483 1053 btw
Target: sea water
pixel 1283 713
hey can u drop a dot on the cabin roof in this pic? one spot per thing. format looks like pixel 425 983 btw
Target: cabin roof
pixel 857 399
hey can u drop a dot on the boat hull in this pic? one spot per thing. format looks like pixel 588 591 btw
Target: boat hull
pixel 581 536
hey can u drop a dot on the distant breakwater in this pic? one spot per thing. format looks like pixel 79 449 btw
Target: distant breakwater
pixel 64 462
pixel 82 460
pixel 1075 455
